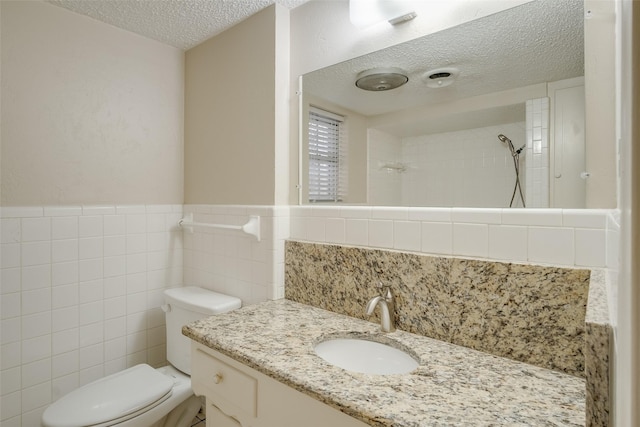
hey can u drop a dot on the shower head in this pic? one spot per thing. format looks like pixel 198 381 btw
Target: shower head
pixel 507 141
pixel 504 139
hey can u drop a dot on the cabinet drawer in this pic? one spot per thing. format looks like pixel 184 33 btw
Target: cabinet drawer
pixel 225 382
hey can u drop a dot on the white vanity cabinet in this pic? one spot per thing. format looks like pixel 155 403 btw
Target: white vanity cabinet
pixel 239 396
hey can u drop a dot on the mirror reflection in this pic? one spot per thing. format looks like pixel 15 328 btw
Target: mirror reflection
pixel 487 114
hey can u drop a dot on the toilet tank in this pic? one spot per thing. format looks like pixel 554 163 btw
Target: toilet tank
pixel 185 305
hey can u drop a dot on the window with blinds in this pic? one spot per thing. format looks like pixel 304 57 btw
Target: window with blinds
pixel 327 156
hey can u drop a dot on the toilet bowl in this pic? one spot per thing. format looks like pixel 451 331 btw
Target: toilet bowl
pixel 142 396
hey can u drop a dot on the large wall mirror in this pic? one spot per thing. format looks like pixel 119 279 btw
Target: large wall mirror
pixel 492 115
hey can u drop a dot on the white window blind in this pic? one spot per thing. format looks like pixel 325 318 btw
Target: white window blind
pixel 327 156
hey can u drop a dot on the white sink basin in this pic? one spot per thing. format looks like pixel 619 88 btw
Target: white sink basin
pixel 367 357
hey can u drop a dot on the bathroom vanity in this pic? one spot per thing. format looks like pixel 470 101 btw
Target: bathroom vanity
pixel 257 367
pixel 237 395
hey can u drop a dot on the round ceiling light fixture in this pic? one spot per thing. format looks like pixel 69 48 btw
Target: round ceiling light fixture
pixel 440 77
pixel 380 79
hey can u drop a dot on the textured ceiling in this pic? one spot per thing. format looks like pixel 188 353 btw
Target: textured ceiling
pixel 537 42
pixel 179 23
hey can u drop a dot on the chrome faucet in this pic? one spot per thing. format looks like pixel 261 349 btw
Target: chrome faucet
pixel 387 308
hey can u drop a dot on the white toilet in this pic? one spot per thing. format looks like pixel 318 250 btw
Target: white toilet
pixel 142 396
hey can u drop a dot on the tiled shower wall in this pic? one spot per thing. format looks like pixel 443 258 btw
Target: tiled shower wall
pixel 537 153
pixel 81 293
pixel 462 168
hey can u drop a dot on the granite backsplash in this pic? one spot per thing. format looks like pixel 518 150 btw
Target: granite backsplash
pixel 530 313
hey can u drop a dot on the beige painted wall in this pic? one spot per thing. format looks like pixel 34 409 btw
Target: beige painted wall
pixel 91 114
pixel 230 120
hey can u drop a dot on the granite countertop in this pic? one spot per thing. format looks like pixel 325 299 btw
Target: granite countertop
pixel 453 386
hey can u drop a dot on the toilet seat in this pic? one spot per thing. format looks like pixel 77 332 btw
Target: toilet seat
pixel 110 400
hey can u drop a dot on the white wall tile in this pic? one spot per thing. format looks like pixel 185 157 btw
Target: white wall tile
pixel 136 243
pixel 115 349
pixel 591 247
pixel 64 273
pixel 36 325
pixel 91 334
pixel 91 355
pixel 115 245
pixel 36 229
pixel 65 318
pixel 11 231
pixel 64 250
pixel 407 235
pixel 56 211
pixel 394 213
pixel 64 228
pixel 10 407
pixel 35 253
pixel 115 328
pixel 90 269
pixel 115 307
pixel 136 302
pixel 36 277
pixel 471 239
pixel 10 330
pixel 98 210
pixel 89 313
pixel 115 225
pixel 91 247
pixel 430 214
pixel 64 296
pixel 136 223
pixel 65 341
pixel 136 342
pixel 21 211
pixel 551 245
pixel 114 266
pixel 335 230
pixel 584 218
pixel 11 305
pixel 315 229
pixel 85 376
pixel 532 217
pixel 63 385
pixel 476 216
pixel 36 349
pixel 10 255
pixel 10 280
pixel 36 301
pixel 136 263
pixel 508 242
pixel 381 233
pixel 11 354
pixel 36 372
pixel 90 226
pixel 36 397
pixel 64 364
pixel 357 232
pixel 437 238
pixel 10 381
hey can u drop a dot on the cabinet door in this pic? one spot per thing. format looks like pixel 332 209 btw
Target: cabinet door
pixel 216 418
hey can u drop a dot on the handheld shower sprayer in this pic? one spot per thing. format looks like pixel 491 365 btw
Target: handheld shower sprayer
pixel 516 164
pixel 507 141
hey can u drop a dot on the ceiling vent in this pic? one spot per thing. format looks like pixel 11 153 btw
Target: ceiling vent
pixel 440 77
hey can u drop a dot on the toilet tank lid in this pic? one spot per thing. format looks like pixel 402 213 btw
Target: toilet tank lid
pixel 201 300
